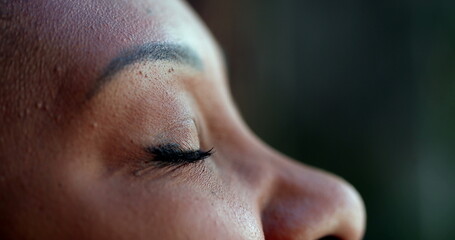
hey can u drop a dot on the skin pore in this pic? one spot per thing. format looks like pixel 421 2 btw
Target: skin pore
pixel 98 96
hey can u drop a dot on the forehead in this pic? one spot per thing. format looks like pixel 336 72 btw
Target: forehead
pixel 71 42
pixel 109 24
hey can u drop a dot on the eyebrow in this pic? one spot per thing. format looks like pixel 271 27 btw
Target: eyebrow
pixel 176 53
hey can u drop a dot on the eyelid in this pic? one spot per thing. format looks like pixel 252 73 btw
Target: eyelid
pixel 185 132
pixel 169 155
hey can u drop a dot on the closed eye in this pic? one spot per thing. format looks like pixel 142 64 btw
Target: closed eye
pixel 170 155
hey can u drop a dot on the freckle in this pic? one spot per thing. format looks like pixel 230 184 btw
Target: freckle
pixel 58 118
pixel 39 105
pixel 58 69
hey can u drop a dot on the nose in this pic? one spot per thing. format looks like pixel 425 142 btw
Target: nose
pixel 301 202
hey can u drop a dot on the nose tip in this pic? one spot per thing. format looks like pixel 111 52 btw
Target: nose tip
pixel 310 204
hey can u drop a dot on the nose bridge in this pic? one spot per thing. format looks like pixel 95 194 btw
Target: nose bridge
pixel 306 203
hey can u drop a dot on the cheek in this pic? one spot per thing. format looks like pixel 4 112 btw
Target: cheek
pixel 122 208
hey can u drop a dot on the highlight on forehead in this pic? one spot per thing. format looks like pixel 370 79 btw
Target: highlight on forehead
pixel 148 52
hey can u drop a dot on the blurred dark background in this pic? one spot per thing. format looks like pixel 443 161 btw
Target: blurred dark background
pixel 365 89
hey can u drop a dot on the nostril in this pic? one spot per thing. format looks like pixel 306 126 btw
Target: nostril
pixel 330 238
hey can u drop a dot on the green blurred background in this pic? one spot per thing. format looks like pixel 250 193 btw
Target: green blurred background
pixel 365 89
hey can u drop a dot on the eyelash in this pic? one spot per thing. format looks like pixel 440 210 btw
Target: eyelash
pixel 172 155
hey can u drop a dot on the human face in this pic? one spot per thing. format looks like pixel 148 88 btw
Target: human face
pixel 109 109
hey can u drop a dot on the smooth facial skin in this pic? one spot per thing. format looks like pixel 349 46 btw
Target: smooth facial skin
pixel 88 86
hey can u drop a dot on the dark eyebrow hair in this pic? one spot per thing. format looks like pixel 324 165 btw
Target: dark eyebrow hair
pixel 147 52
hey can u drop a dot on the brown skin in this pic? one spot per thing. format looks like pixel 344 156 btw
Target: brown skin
pixel 72 166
